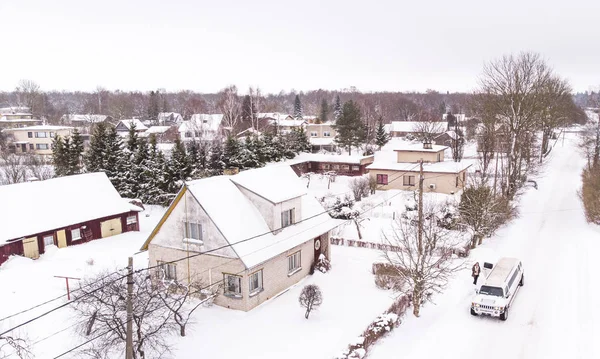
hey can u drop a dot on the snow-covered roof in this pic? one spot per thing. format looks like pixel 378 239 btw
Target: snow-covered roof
pixel 320 141
pixel 433 167
pixel 247 132
pixel 418 147
pixel 14 109
pixel 412 126
pixel 328 123
pixel 331 158
pixel 164 116
pixel 5 119
pixel 34 207
pixel 452 134
pixel 240 220
pixel 155 130
pixel 39 128
pixel 274 183
pixel 287 122
pixel 203 121
pixel 274 116
pixel 139 126
pixel 84 118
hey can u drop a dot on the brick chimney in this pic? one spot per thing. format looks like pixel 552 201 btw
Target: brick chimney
pixel 427 145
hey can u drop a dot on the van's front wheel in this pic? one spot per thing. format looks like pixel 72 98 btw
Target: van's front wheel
pixel 504 315
pixel 473 312
pixel 522 282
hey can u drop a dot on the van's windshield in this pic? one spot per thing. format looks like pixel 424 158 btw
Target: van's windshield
pixel 495 291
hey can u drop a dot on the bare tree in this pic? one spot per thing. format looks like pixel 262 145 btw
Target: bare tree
pixel 38 167
pixel 28 92
pixel 230 107
pixel 310 298
pixel 14 346
pixel 427 127
pixel 12 168
pixel 425 263
pixel 255 105
pixel 100 304
pixel 360 188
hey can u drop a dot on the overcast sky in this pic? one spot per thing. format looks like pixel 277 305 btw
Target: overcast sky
pixel 282 45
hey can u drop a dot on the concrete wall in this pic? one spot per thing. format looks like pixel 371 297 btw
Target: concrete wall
pixel 415 156
pixel 444 182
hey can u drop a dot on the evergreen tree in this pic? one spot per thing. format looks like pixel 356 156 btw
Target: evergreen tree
pixel 179 166
pixel 76 153
pixel 139 179
pixel 153 107
pixel 132 141
pixel 59 157
pixel 297 108
pixel 349 127
pixel 381 136
pixel 323 112
pixel 94 159
pixel 299 140
pixel 216 163
pixel 250 154
pixel 337 108
pixel 248 111
pixel 259 147
pixel 231 153
pixel 67 155
pixel 115 163
pixel 155 192
pixel 203 153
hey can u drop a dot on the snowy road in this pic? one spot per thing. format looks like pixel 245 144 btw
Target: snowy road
pixel 555 315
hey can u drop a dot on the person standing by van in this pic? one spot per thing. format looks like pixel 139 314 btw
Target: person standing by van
pixel 475 272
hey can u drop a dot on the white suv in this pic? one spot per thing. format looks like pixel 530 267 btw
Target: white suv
pixel 501 286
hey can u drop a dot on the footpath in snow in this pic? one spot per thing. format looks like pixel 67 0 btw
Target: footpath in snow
pixel 556 313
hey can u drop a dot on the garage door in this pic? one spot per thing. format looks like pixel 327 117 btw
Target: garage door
pixel 30 248
pixel 111 227
pixel 61 238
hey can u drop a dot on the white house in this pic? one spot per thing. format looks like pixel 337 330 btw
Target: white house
pixel 83 120
pixel 169 118
pixel 125 125
pixel 252 235
pixel 201 127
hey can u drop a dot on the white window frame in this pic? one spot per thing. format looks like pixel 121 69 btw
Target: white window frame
pixel 37 134
pixel 326 134
pixel 168 269
pixel 355 168
pixel 38 146
pixel 75 238
pixel 235 293
pixel 188 233
pixel 288 214
pixel 48 236
pixel 52 135
pixel 131 220
pixel 314 134
pixel 258 278
pixel 294 262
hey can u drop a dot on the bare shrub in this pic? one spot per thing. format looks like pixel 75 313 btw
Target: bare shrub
pixel 11 345
pixel 590 194
pixel 310 298
pixel 360 188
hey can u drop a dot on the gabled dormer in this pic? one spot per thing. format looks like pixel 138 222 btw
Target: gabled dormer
pixel 276 192
pixel 426 151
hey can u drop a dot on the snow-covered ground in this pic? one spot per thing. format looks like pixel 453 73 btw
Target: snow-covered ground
pixel 555 315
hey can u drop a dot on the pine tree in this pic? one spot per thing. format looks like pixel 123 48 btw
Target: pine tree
pixel 299 141
pixel 140 175
pixel 349 127
pixel 381 136
pixel 248 111
pixel 249 156
pixel 157 182
pixel 153 107
pixel 231 153
pixel 115 163
pixel 132 141
pixel 94 159
pixel 59 157
pixel 337 108
pixel 297 108
pixel 76 153
pixel 203 153
pixel 179 166
pixel 259 147
pixel 324 112
pixel 67 148
pixel 216 163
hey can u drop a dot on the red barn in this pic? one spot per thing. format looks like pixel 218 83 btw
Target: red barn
pixel 61 212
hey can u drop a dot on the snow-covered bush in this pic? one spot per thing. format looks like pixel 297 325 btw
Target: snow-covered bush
pixel 323 265
pixel 360 188
pixel 90 261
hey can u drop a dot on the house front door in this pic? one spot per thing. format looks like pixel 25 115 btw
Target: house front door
pixel 30 248
pixel 23 147
pixel 61 238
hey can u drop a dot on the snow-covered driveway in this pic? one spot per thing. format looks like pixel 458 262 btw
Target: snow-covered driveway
pixel 555 315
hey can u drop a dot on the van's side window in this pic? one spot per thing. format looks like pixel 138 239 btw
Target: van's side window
pixel 512 279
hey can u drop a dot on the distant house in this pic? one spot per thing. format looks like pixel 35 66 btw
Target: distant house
pixel 35 139
pixel 405 128
pixel 263 230
pixel 201 127
pixel 458 119
pixel 61 212
pixel 321 136
pixel 439 175
pixel 279 122
pixel 446 139
pixel 343 165
pixel 163 134
pixel 84 120
pixel 241 136
pixel 124 126
pixel 17 116
pixel 169 118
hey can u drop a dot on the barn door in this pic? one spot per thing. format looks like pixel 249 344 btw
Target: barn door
pixel 61 238
pixel 111 227
pixel 30 248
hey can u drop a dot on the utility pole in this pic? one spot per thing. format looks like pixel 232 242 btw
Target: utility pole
pixel 420 229
pixel 129 339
